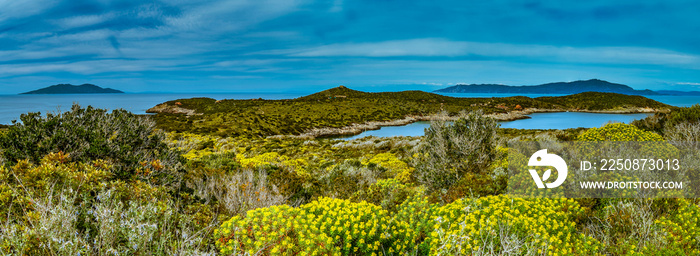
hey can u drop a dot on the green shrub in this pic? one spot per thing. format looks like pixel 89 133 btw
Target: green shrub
pixel 126 141
pixel 450 152
pixel 663 121
pixel 685 135
pixel 387 193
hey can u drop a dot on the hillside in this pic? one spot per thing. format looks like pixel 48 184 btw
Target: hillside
pixel 341 107
pixel 593 85
pixel 72 89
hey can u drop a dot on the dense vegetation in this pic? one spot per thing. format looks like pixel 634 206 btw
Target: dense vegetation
pixel 660 122
pixel 87 134
pixel 439 194
pixel 340 107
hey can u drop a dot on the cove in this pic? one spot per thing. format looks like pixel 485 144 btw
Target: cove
pixel 552 120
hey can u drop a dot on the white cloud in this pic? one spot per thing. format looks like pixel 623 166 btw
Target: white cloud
pixel 431 47
pixel 83 21
pixel 10 9
pixel 229 15
pixel 688 83
pixel 89 67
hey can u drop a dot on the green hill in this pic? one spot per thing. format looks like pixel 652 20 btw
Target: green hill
pixel 72 89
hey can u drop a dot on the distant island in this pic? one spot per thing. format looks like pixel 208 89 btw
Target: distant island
pixel 593 85
pixel 73 89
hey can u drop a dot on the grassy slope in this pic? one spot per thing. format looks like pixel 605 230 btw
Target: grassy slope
pixel 339 107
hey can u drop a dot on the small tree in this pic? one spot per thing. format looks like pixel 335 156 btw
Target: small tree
pixel 449 152
pixel 128 142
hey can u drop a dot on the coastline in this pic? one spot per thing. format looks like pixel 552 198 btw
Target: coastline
pixel 356 129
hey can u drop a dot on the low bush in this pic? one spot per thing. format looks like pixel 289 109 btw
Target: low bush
pixel 682 230
pixel 450 152
pixel 237 191
pixel 685 135
pixel 323 227
pixel 387 193
pixel 660 122
pixel 499 225
pixel 59 207
pixel 618 132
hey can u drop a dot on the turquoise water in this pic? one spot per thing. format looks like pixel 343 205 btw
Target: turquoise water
pixel 412 129
pixel 565 120
pixel 555 120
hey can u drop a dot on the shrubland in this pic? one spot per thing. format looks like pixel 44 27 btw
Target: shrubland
pixel 439 194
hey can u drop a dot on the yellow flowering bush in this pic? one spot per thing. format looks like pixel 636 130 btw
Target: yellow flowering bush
pixel 273 230
pixel 327 227
pixel 387 193
pixel 355 228
pixel 418 215
pixel 55 171
pixel 618 132
pixel 197 146
pixel 683 229
pixel 273 158
pixel 395 166
pixel 497 224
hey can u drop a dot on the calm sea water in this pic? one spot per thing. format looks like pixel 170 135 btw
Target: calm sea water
pixel 556 120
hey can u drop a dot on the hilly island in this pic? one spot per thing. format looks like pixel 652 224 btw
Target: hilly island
pixel 73 89
pixel 592 85
pixel 343 111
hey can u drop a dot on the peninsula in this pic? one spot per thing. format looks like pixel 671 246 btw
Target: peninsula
pixel 73 89
pixel 342 111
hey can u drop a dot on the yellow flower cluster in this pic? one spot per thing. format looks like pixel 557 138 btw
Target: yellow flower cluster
pixel 276 230
pixel 198 146
pixel 323 227
pixel 273 158
pixel 55 171
pixel 394 165
pixel 354 227
pixel 417 214
pixel 467 227
pixel 618 132
pixel 683 227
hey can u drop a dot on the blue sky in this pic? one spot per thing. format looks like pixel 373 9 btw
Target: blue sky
pixel 372 45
